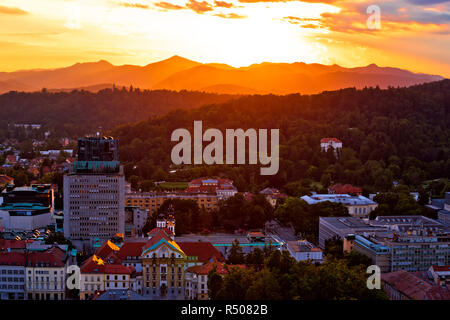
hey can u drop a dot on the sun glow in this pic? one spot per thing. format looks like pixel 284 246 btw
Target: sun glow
pixel 55 33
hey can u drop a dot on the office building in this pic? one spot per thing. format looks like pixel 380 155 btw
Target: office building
pixel 358 206
pixel 94 202
pixel 98 149
pixel 411 243
pixel 303 250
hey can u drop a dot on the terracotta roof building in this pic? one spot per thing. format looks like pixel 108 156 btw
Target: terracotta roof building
pixel 403 285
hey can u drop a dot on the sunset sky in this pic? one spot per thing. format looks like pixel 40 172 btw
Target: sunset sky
pixel 414 34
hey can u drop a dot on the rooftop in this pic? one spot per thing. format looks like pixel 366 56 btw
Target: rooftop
pixel 303 246
pixel 206 268
pixel 413 287
pixel 204 251
pixel 345 199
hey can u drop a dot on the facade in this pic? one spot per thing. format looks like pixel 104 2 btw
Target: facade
pixel 151 201
pixel 340 227
pixel 130 255
pixel 197 279
pixel 27 208
pixel 440 275
pixel 135 219
pixel 444 214
pixel 12 275
pixel 163 266
pixel 119 277
pixel 223 188
pixel 94 203
pixel 411 243
pixel 379 254
pixel 303 250
pixel 92 277
pixel 326 143
pixel 46 274
pixel 273 195
pixel 404 285
pixel 358 206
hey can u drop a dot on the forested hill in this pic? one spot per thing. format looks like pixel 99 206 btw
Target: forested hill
pixel 397 134
pixel 79 112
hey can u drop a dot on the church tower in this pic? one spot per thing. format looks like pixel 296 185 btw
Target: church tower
pixel 161 221
pixel 170 222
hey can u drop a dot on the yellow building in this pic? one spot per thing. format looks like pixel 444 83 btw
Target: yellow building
pixel 163 266
pixel 151 201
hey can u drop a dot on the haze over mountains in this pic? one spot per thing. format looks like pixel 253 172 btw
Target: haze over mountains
pixel 177 73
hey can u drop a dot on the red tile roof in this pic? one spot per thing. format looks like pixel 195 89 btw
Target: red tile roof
pixel 93 265
pixel 159 234
pixel 5 179
pixel 118 269
pixel 326 140
pixel 205 251
pixel 198 186
pixel 154 231
pixel 130 249
pixel 52 257
pixel 441 268
pixel 206 268
pixel 12 258
pixel 105 249
pixel 414 287
pixel 344 189
pixel 12 244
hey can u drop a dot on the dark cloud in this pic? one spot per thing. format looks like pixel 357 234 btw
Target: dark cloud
pixel 199 7
pixel 426 2
pixel 230 16
pixel 168 6
pixel 223 4
pixel 11 10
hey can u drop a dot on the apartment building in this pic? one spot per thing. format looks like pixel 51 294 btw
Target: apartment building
pixel 46 274
pixel 196 287
pixel 152 201
pixel 12 275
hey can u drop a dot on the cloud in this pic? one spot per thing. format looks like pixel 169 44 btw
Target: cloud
pixel 297 20
pixel 230 16
pixel 309 1
pixel 310 26
pixel 168 6
pixel 426 2
pixel 199 7
pixel 11 10
pixel 223 4
pixel 133 5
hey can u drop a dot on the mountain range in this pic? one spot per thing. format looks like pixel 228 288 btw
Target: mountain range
pixel 177 73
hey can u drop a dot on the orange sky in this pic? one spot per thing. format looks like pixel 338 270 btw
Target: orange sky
pixel 414 34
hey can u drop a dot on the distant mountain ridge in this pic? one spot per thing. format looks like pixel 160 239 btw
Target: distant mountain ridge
pixel 178 73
